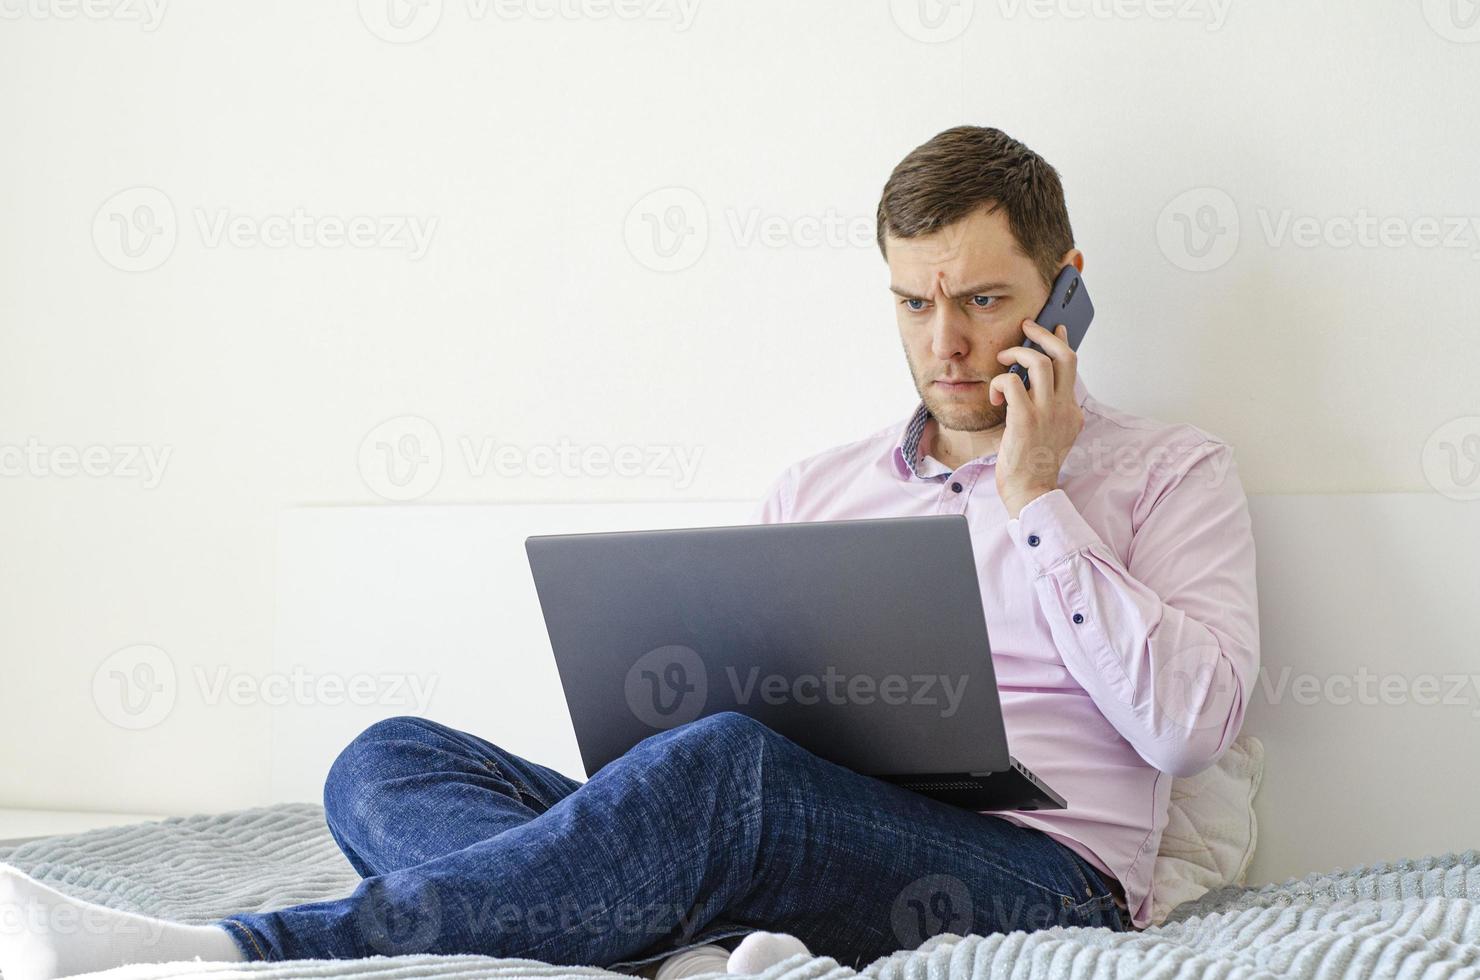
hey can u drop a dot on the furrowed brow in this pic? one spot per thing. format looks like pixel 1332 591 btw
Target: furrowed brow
pixel 979 289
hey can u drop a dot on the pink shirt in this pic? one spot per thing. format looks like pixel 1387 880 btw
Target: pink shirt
pixel 1121 609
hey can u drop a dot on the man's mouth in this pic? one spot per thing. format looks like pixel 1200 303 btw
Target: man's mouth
pixel 953 385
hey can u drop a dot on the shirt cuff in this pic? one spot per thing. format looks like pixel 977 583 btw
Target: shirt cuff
pixel 1050 529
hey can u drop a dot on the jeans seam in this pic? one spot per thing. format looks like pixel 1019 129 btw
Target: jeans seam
pixel 250 937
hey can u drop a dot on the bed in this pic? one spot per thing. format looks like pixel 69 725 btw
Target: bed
pixel 1409 918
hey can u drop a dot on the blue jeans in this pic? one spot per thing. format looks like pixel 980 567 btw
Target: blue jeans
pixel 710 830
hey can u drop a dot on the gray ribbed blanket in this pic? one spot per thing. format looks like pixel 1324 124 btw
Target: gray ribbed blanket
pixel 1414 918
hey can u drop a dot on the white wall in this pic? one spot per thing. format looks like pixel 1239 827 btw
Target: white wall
pixel 536 312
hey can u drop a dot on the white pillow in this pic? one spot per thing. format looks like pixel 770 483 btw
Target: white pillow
pixel 1210 834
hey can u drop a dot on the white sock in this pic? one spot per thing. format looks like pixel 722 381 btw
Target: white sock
pixel 760 951
pixel 45 934
pixel 691 962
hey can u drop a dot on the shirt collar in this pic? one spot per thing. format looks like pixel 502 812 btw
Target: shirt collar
pixel 906 452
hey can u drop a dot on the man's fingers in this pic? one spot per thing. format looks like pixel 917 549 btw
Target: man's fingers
pixel 1007 387
pixel 1065 360
pixel 1040 369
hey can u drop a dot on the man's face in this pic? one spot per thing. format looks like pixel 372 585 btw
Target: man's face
pixel 961 295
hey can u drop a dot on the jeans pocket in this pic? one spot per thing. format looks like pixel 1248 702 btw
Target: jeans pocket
pixel 1094 905
pixel 1099 912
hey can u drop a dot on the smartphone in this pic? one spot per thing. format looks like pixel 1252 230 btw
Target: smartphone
pixel 1068 303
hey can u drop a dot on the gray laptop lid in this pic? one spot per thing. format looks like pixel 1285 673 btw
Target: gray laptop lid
pixel 862 640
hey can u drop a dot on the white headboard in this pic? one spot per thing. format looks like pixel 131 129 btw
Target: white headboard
pixel 1351 586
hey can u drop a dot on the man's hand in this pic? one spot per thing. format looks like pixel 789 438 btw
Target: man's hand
pixel 1042 423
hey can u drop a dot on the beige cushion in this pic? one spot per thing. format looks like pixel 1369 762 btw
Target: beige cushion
pixel 1211 832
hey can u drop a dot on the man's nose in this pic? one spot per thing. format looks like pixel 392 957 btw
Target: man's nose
pixel 948 337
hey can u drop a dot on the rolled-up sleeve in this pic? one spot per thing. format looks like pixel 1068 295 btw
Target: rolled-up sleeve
pixel 1166 642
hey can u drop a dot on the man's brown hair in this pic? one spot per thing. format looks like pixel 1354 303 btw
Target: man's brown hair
pixel 968 167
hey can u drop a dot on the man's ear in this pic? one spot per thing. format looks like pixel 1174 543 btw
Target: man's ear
pixel 1073 257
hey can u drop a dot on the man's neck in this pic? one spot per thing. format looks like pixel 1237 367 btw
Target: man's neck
pixel 954 448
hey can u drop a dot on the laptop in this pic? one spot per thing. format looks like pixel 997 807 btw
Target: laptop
pixel 863 641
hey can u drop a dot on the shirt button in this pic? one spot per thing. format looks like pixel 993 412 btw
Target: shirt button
pixel 956 487
pixel 1078 617
pixel 1033 540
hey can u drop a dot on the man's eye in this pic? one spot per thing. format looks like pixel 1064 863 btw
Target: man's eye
pixel 909 304
pixel 984 302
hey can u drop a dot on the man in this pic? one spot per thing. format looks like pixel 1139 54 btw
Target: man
pixel 1117 573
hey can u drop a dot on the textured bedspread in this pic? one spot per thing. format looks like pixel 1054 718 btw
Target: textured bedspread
pixel 1413 918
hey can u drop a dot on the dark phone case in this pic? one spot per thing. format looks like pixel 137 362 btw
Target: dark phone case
pixel 1068 303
